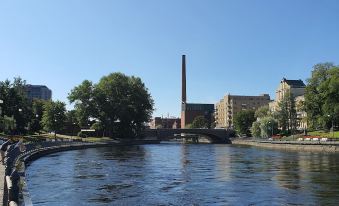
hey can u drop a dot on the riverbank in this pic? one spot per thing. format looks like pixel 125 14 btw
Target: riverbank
pixel 292 145
pixel 39 149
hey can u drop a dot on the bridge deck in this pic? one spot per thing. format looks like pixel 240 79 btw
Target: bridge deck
pixel 215 135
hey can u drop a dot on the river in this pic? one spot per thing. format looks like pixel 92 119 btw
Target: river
pixel 184 174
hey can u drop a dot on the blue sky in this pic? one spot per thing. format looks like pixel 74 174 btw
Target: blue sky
pixel 238 47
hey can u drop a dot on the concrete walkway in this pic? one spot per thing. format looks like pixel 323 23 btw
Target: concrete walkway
pixel 2 179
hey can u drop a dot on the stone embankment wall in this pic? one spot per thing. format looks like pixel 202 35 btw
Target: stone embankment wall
pixel 21 155
pixel 34 151
pixel 292 145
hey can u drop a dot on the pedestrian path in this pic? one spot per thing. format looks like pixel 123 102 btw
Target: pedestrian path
pixel 2 178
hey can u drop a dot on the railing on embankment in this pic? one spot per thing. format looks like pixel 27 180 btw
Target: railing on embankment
pixel 15 190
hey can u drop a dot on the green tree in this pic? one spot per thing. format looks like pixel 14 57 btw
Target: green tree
pixel 122 104
pixel 243 121
pixel 7 124
pixel 15 103
pixel 286 114
pixel 54 116
pixel 255 129
pixel 37 109
pixel 330 93
pixel 321 96
pixel 82 96
pixel 199 122
pixel 268 127
pixel 71 117
pixel 262 112
pixel 71 123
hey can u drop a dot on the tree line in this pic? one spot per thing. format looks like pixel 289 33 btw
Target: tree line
pixel 117 106
pixel 321 106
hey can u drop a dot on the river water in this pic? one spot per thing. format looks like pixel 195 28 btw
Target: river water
pixel 184 174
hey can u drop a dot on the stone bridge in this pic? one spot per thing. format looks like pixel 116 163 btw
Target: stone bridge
pixel 214 135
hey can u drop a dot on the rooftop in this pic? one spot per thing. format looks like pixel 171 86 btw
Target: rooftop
pixel 294 83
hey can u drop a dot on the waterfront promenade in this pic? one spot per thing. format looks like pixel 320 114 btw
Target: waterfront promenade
pixel 307 146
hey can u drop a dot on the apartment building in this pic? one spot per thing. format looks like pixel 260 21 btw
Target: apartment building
pixel 296 88
pixel 38 92
pixel 230 105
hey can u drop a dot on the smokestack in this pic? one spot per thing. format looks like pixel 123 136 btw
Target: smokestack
pixel 183 80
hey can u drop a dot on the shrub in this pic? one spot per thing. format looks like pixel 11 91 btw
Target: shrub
pixel 82 134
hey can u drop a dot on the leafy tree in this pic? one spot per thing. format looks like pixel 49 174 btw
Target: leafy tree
pixel 262 112
pixel 330 92
pixel 98 127
pixel 54 116
pixel 255 129
pixel 8 124
pixel 71 126
pixel 71 117
pixel 268 127
pixel 199 122
pixel 122 104
pixel 37 113
pixel 321 96
pixel 15 103
pixel 82 96
pixel 286 114
pixel 243 121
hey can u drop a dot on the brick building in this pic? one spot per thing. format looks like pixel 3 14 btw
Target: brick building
pixel 165 123
pixel 189 111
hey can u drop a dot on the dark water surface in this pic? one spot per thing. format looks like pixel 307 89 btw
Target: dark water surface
pixel 178 174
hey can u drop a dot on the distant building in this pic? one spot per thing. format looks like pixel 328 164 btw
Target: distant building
pixel 301 113
pixel 296 88
pixel 230 105
pixel 189 111
pixel 165 123
pixel 38 92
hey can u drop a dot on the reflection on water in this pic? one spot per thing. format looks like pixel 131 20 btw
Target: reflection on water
pixel 177 174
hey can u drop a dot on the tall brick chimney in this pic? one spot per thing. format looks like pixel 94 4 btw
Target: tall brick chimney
pixel 183 80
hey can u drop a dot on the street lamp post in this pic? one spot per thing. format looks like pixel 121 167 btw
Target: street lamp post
pixel 55 122
pixel 19 110
pixel 1 102
pixel 332 125
pixel 37 116
pixel 271 123
pixel 73 125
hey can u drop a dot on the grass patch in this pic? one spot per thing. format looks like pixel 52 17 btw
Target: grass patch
pixel 43 136
pixel 324 134
pixel 96 139
pixel 87 139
